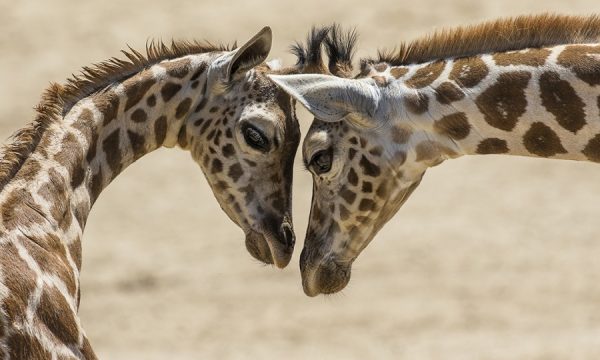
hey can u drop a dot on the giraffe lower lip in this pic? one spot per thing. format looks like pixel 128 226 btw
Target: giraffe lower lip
pixel 324 276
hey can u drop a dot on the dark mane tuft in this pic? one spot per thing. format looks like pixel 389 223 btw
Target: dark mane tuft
pixel 309 56
pixel 341 46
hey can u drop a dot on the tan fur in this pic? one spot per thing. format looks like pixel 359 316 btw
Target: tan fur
pixel 495 36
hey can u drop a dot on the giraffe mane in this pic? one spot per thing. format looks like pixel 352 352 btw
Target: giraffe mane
pixel 339 45
pixel 58 99
pixel 508 34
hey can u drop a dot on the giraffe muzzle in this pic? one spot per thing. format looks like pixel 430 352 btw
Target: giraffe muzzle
pixel 323 275
pixel 272 247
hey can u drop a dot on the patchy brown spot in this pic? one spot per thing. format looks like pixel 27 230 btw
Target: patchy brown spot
pixel 20 281
pixel 416 103
pixel 380 81
pixel 347 195
pixel 592 149
pixel 201 105
pixel 542 141
pixel 381 67
pixel 55 313
pixel 75 251
pixel 110 145
pixel 448 93
pixel 351 153
pixel 382 190
pixel 19 209
pixel 398 72
pixel 107 104
pixel 352 177
pixel 366 205
pixel 492 146
pixel 368 167
pixel 182 138
pixel 217 166
pixel 235 172
pixel 344 213
pixel 85 124
pixel 431 152
pixel 96 185
pixel 560 99
pixel 138 143
pixel 29 170
pixel 177 68
pixel 400 134
pixel 228 150
pixel 455 126
pixel 136 87
pixel 24 346
pixel 71 152
pixel 367 187
pixel 529 57
pixel 169 90
pixel 468 72
pixel 426 75
pixel 376 151
pixel 584 61
pixel 183 108
pixel 205 126
pixel 504 102
pixel 151 101
pixel 139 116
pixel 77 176
pixel 160 130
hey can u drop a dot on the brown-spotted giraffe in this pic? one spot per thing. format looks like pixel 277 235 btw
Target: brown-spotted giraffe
pixel 217 103
pixel 526 86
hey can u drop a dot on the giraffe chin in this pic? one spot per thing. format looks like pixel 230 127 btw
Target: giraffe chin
pixel 269 250
pixel 325 276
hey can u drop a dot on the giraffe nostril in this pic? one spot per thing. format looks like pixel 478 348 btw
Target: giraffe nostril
pixel 289 239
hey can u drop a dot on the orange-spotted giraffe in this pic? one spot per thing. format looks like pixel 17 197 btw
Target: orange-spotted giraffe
pixel 214 102
pixel 527 86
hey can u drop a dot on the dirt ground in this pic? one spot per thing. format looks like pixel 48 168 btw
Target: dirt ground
pixel 491 258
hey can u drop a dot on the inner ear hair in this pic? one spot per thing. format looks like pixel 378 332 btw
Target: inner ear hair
pixel 251 54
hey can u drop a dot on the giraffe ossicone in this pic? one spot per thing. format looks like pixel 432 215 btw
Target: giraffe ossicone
pixel 527 86
pixel 215 102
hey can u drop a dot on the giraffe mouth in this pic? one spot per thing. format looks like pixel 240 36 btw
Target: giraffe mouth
pixel 323 276
pixel 272 249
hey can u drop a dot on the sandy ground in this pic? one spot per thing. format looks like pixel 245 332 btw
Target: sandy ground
pixel 492 258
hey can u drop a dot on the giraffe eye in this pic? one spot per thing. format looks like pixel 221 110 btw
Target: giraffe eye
pixel 321 162
pixel 256 139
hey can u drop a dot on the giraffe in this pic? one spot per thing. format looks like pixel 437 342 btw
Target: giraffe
pixel 526 86
pixel 215 102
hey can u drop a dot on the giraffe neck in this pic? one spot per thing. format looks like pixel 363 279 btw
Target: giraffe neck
pixel 535 102
pixel 47 202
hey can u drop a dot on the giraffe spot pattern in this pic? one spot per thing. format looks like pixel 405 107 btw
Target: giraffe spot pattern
pixel 25 346
pixel 177 68
pixel 492 146
pixel 151 101
pixel 108 105
pixel 541 140
pixel 448 93
pixel 584 61
pixel 19 209
pixel 529 57
pixel 400 134
pixel 348 195
pixel 561 100
pixel 504 102
pixel 368 167
pixel 96 185
pixel 416 103
pixel 217 166
pixel 398 72
pixel 183 108
pixel 468 72
pixel 235 172
pixel 352 177
pixel 592 149
pixel 455 126
pixel 366 205
pixel 136 88
pixel 160 130
pixel 20 281
pixel 138 144
pixel 426 75
pixel 139 116
pixel 110 146
pixel 182 138
pixel 55 313
pixel 169 90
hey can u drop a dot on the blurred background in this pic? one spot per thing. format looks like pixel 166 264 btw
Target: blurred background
pixel 491 258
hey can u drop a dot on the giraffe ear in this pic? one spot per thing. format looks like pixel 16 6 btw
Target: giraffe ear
pixel 330 98
pixel 252 53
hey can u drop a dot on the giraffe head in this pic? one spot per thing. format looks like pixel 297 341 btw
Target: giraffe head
pixel 244 134
pixel 364 167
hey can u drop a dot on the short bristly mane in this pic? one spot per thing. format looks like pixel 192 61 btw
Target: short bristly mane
pixel 58 99
pixel 496 36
